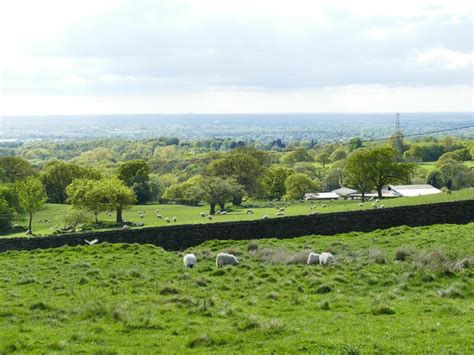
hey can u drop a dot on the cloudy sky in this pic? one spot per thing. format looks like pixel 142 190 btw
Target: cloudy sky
pixel 209 56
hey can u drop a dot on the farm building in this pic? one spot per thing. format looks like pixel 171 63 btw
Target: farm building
pixel 344 192
pixel 409 190
pixel 321 196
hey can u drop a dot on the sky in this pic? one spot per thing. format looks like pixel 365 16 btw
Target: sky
pixel 226 56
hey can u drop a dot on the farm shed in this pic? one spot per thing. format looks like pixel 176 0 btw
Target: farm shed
pixel 410 190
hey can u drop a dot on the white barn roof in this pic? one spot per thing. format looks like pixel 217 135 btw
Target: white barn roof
pixel 413 190
pixel 344 191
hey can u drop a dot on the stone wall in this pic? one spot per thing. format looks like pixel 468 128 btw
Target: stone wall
pixel 183 236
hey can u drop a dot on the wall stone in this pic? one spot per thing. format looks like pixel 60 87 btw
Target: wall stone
pixel 184 236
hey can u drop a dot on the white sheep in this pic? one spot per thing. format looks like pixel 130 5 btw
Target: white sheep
pixel 159 216
pixel 382 206
pixel 189 260
pixel 265 217
pixel 325 259
pixel 209 217
pixel 361 205
pixel 226 259
pixel 374 205
pixel 223 213
pixel 202 214
pixel 174 219
pixel 323 205
pixel 313 258
pixel 249 211
pixel 124 227
pixel 377 200
pixel 280 214
pixel 167 220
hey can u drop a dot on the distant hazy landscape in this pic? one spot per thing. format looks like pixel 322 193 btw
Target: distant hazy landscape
pixel 322 127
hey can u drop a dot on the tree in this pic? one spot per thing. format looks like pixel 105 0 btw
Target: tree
pixel 385 168
pixel 57 175
pixel 14 169
pixel 338 154
pixel 355 143
pixel 218 191
pixel 298 155
pixel 435 178
pixel 297 185
pixel 135 174
pixel 32 197
pixel 86 194
pixel 323 159
pixel 99 196
pixel 244 168
pixel 357 171
pixel 6 214
pixel 456 175
pixel 274 179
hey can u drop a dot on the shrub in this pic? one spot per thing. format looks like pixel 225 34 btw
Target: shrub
pixel 167 290
pixel 453 291
pixel 298 258
pixel 273 295
pixel 324 289
pixel 252 245
pixel 383 310
pixel 403 253
pixel 376 256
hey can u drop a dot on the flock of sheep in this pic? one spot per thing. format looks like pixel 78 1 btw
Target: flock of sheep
pixel 189 260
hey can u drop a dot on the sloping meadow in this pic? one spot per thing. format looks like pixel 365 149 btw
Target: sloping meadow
pixel 401 290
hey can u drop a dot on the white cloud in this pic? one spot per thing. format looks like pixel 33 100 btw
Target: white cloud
pixel 443 59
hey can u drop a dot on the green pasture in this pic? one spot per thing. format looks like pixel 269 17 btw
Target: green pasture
pixel 188 214
pixel 400 290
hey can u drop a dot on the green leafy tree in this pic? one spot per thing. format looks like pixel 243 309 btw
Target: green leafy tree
pixel 386 168
pixel 6 214
pixel 14 169
pixel 218 191
pixel 57 175
pixel 298 155
pixel 244 168
pixel 135 174
pixel 102 195
pixel 297 185
pixel 456 175
pixel 32 197
pixel 338 154
pixel 435 178
pixel 323 158
pixel 357 171
pixel 355 143
pixel 274 180
pixel 88 194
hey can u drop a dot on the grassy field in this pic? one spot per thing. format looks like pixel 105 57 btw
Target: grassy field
pixel 188 214
pixel 129 298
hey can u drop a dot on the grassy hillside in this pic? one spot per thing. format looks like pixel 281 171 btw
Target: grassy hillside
pixel 188 214
pixel 138 298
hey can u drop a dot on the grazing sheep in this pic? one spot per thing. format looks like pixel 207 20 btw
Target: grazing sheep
pixel 189 260
pixel 313 258
pixel 167 220
pixel 280 214
pixel 142 216
pixel 325 259
pixel 265 217
pixel 139 224
pixel 223 213
pixel 377 200
pixel 218 212
pixel 374 205
pixel 209 217
pixel 125 227
pixel 159 216
pixel 40 221
pixel 109 214
pixel 226 259
pixel 323 205
pixel 202 214
pixel 314 212
pixel 361 205
pixel 249 211
pixel 382 206
pixel 174 219
pixel 157 210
